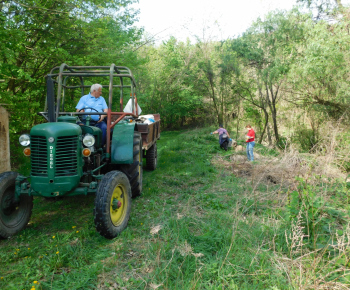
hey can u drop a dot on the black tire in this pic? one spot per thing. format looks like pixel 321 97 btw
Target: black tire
pixel 13 216
pixel 151 157
pixel 111 219
pixel 134 171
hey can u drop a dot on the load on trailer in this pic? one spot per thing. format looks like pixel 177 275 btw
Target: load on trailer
pixel 67 155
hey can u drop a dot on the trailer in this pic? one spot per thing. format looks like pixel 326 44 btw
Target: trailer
pixel 150 133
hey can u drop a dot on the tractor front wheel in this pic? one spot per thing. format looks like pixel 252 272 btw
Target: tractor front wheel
pixel 112 204
pixel 14 216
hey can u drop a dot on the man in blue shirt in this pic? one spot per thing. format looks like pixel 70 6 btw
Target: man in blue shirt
pixel 96 101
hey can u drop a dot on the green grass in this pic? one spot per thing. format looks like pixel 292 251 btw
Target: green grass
pixel 216 232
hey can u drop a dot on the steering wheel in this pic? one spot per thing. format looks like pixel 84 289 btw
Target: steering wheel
pixel 79 116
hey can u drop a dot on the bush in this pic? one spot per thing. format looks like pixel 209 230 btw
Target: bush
pixel 282 143
pixel 306 138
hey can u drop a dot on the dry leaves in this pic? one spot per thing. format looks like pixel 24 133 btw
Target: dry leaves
pixel 185 249
pixel 155 229
pixel 179 216
pixel 198 255
pixel 154 286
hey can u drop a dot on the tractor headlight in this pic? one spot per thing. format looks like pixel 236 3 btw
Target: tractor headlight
pixel 24 140
pixel 89 140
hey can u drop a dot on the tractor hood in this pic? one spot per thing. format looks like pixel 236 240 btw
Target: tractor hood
pixel 56 129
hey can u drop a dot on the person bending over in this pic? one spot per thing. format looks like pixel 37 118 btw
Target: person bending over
pixel 95 101
pixel 221 131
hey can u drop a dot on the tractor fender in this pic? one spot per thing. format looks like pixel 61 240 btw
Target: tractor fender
pixel 122 143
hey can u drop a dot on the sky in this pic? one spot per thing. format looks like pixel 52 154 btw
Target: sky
pixel 206 19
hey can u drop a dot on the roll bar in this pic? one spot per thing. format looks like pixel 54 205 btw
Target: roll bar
pixel 61 74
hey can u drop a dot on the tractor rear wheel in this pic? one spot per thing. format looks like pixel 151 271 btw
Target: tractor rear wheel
pixel 14 216
pixel 134 170
pixel 112 204
pixel 151 157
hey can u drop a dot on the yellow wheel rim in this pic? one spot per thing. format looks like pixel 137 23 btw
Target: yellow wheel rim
pixel 118 204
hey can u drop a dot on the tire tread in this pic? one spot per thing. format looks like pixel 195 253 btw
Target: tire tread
pixel 151 157
pixel 102 220
pixel 7 179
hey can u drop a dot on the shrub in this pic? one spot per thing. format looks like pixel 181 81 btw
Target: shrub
pixel 282 143
pixel 306 138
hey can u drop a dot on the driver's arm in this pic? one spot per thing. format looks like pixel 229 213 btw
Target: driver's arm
pixel 103 116
pixel 81 105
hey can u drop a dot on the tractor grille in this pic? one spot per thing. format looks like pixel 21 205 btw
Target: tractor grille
pixel 38 155
pixel 66 156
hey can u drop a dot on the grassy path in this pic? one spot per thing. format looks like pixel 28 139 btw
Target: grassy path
pixel 196 226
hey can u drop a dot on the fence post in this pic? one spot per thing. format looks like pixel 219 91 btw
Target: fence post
pixel 4 141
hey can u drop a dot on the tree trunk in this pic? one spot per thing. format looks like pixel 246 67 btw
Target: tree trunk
pixel 239 109
pixel 214 101
pixel 272 104
pixel 275 128
pixel 263 106
pixel 269 135
pixel 265 126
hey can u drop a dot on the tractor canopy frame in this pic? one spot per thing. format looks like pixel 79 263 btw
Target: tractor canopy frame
pixel 54 106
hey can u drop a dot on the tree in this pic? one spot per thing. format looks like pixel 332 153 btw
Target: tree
pixel 321 71
pixel 267 49
pixel 167 83
pixel 215 70
pixel 325 9
pixel 38 35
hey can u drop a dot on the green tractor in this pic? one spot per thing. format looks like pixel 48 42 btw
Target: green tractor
pixel 67 157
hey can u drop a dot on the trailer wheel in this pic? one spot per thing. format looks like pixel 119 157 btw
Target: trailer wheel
pixel 151 157
pixel 134 171
pixel 14 216
pixel 112 204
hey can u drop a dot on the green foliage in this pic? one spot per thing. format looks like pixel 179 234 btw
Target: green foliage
pixel 282 143
pixel 306 138
pixel 266 151
pixel 255 117
pixel 320 71
pixel 285 56
pixel 39 35
pixel 253 114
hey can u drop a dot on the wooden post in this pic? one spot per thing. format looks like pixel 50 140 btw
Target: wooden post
pixel 4 141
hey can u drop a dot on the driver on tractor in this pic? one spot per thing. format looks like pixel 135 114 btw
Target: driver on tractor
pixel 94 102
